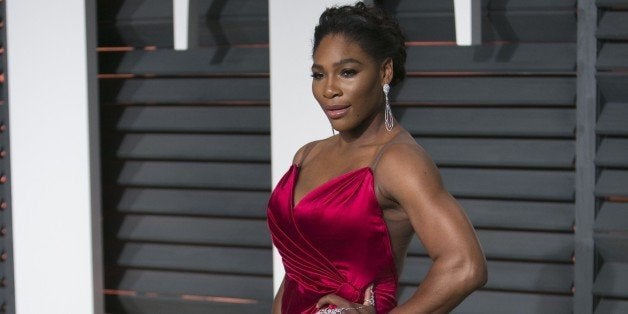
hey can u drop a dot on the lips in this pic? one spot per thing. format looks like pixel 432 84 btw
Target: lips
pixel 336 111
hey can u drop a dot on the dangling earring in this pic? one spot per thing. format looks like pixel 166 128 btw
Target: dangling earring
pixel 389 120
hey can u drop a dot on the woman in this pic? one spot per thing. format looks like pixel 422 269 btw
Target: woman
pixel 343 215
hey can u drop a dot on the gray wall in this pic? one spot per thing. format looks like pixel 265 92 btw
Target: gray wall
pixel 186 165
pixel 522 135
pixel 499 119
pixel 611 158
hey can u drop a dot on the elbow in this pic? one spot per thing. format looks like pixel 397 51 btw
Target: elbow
pixel 477 275
pixel 471 273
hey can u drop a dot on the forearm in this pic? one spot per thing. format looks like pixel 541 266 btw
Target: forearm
pixel 444 287
pixel 277 300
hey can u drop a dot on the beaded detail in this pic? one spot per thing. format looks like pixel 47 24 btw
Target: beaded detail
pixel 339 310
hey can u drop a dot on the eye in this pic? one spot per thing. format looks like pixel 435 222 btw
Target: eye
pixel 348 73
pixel 317 75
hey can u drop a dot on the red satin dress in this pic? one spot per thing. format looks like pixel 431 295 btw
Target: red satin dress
pixel 334 240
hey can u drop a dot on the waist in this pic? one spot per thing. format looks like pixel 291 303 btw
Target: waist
pixel 301 297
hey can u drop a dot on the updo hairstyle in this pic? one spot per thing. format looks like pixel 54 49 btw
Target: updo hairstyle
pixel 375 31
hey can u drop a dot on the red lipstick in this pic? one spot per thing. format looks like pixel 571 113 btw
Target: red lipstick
pixel 336 111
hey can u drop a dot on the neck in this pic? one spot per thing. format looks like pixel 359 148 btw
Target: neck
pixel 371 131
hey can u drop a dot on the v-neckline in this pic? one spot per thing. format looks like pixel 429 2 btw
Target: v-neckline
pixel 296 173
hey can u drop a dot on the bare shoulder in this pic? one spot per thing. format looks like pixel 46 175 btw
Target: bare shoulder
pixel 305 149
pixel 298 156
pixel 404 165
pixel 404 154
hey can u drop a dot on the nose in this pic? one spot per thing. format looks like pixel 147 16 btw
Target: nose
pixel 331 89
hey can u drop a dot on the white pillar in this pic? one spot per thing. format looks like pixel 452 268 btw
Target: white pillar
pixel 53 127
pixel 185 24
pixel 468 16
pixel 295 115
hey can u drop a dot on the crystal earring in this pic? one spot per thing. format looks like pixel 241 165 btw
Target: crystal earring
pixel 389 120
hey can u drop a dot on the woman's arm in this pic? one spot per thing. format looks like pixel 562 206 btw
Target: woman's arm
pixel 408 177
pixel 278 296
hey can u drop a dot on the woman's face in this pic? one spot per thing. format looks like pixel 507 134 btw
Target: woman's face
pixel 347 82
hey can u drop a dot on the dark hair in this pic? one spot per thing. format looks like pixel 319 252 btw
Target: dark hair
pixel 375 31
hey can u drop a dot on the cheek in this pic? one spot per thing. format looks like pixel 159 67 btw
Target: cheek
pixel 367 93
pixel 316 91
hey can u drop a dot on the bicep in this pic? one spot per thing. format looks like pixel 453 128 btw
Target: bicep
pixel 411 180
pixel 440 223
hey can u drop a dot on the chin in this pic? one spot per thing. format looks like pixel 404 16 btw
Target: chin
pixel 343 130
pixel 340 127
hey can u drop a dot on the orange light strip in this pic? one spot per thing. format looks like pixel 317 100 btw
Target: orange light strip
pixel 617 199
pixel 430 43
pixel 114 49
pixel 129 293
pixel 116 76
pixel 154 48
pixel 191 297
pixel 481 73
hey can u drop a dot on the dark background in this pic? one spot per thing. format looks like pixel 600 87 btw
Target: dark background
pixel 529 129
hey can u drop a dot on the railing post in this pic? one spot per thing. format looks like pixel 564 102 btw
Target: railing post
pixel 468 16
pixel 586 108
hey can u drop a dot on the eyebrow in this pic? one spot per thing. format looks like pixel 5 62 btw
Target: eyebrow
pixel 341 62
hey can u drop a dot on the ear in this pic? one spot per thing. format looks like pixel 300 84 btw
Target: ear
pixel 387 71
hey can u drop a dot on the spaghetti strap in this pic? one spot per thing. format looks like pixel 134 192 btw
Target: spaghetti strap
pixel 381 151
pixel 379 155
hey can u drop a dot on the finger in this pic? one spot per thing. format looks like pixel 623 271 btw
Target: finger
pixel 332 299
pixel 369 295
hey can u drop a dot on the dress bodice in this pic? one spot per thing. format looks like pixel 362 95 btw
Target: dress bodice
pixel 334 240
